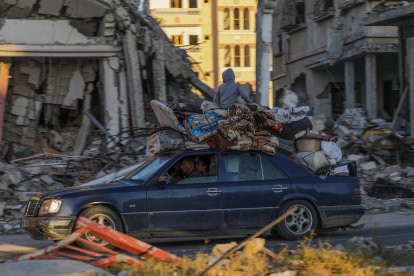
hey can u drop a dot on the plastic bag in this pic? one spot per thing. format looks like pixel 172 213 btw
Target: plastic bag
pixel 164 140
pixel 292 114
pixel 332 151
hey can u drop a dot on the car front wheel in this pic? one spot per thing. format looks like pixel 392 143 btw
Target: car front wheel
pixel 300 223
pixel 103 216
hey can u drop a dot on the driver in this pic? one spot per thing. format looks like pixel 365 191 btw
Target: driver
pixel 188 167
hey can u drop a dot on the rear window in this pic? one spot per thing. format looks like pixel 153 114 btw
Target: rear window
pixel 270 170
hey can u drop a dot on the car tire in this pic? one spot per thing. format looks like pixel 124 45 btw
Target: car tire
pixel 300 224
pixel 104 216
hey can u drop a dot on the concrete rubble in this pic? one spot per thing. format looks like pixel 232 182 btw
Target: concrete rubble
pixel 67 57
pixel 384 158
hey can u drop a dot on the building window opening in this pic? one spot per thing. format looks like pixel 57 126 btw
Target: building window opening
pixel 226 22
pixel 246 19
pixel 323 6
pixel 236 20
pixel 176 3
pixel 246 56
pixel 193 4
pixel 300 13
pixel 177 39
pixel 227 56
pixel 237 56
pixel 193 39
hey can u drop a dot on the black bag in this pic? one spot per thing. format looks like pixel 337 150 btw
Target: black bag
pixel 291 129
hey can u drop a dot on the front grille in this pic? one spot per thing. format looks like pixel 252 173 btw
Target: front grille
pixel 32 205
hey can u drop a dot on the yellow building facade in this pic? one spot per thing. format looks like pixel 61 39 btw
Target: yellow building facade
pixel 217 34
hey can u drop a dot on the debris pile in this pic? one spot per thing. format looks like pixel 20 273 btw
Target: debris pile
pixel 244 127
pixel 47 172
pixel 111 61
pixel 379 152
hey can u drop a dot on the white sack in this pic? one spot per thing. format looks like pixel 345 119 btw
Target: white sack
pixel 332 151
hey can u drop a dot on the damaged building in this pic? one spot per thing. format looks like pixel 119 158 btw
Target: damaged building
pixel 322 51
pixel 59 58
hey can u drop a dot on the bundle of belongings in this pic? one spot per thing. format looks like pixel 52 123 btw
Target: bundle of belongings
pixel 241 127
pixel 315 151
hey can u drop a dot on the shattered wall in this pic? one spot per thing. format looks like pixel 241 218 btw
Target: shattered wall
pixel 86 55
pixel 45 94
pixel 320 46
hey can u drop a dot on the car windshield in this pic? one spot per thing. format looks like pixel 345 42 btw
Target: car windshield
pixel 149 167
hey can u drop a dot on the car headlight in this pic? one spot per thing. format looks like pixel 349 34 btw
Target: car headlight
pixel 50 206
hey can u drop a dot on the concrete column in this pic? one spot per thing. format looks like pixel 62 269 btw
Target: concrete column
pixel 264 40
pixel 371 85
pixel 410 62
pixel 109 68
pixel 136 97
pixel 85 127
pixel 123 99
pixel 158 65
pixel 349 84
pixel 4 84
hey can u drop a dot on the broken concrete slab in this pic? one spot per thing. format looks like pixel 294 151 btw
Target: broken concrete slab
pixel 85 8
pixel 409 172
pixel 50 7
pixel 20 106
pixel 343 131
pixel 367 166
pixel 41 32
pixel 357 158
pixel 13 177
pixel 47 179
pixel 21 8
pixel 76 88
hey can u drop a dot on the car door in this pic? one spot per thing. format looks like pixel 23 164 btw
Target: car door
pixel 191 207
pixel 254 186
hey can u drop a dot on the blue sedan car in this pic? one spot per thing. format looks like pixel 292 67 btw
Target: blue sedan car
pixel 242 192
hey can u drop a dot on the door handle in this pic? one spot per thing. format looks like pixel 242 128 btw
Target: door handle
pixel 213 191
pixel 278 188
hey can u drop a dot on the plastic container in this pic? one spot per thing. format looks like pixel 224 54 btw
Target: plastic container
pixel 309 142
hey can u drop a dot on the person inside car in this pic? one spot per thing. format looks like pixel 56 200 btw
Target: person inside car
pixel 173 175
pixel 203 166
pixel 188 167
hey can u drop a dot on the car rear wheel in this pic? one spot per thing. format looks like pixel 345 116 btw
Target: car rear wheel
pixel 300 223
pixel 103 216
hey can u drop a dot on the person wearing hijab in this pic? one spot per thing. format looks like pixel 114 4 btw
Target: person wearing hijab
pixel 229 91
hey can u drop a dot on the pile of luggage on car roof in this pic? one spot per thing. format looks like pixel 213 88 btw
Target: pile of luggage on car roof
pixel 243 127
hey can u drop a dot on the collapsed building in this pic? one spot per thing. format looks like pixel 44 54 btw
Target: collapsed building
pixel 60 58
pixel 356 66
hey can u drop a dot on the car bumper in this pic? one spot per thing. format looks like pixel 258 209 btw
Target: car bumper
pixel 48 228
pixel 337 216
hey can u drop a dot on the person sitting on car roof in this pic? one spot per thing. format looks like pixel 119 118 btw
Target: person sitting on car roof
pixel 229 91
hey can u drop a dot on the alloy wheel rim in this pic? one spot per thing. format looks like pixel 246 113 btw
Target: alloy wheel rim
pixel 100 219
pixel 300 221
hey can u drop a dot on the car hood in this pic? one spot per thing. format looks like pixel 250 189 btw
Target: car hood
pixel 77 189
